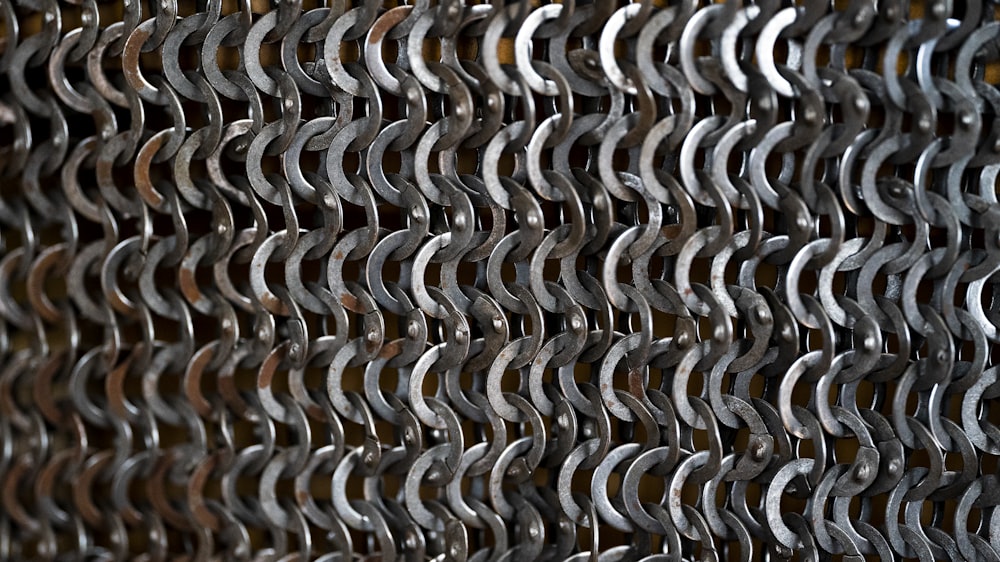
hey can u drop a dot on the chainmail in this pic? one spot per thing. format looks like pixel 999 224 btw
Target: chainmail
pixel 353 280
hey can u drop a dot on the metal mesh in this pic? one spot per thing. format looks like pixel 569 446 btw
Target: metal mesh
pixel 361 280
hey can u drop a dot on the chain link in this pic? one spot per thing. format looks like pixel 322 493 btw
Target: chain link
pixel 454 281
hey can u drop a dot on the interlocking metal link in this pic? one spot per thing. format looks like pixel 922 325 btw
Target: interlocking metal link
pixel 366 280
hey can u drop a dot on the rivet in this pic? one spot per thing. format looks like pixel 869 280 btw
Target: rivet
pixel 787 334
pixel 869 343
pixel 861 472
pixel 683 340
pixel 720 333
pixel 763 314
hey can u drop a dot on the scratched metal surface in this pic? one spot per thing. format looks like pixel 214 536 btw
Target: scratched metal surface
pixel 450 281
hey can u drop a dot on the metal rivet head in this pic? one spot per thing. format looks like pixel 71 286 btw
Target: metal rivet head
pixel 762 314
pixel 862 472
pixel 720 333
pixel 533 531
pixel 787 333
pixel 683 340
pixel 869 343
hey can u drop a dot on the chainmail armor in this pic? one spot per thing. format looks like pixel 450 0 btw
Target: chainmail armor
pixel 591 281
